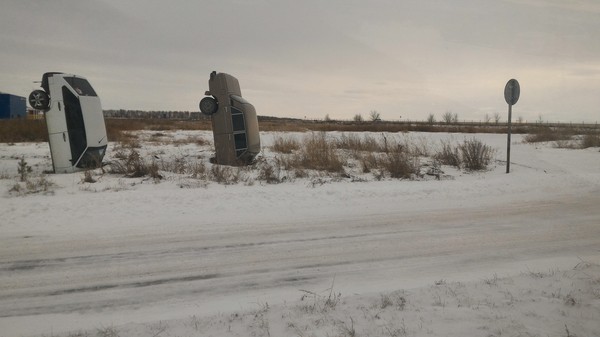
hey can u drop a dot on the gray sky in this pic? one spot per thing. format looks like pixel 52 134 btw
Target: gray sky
pixel 405 59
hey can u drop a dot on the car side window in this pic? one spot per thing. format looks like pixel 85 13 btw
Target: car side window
pixel 237 119
pixel 239 131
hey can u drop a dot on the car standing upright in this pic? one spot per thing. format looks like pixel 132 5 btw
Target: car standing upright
pixel 234 121
pixel 75 121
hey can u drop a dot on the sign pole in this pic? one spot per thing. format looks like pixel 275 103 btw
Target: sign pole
pixel 512 91
pixel 508 140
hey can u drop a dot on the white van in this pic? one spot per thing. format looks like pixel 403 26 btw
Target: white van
pixel 76 129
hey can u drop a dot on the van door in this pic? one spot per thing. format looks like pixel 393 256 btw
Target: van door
pixel 61 156
pixel 58 135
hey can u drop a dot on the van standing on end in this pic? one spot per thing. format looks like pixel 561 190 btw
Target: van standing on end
pixel 76 129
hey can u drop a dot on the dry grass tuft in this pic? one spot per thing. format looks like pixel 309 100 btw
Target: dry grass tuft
pixel 317 153
pixel 33 185
pixel 198 170
pixel 400 164
pixel 27 183
pixel 87 177
pixel 471 155
pixel 134 166
pixel 177 165
pixel 200 141
pixel 317 303
pixel 225 175
pixel 448 155
pixel 269 172
pixel 475 155
pixel 356 143
pixel 128 141
pixel 285 144
pixel 368 162
pixel 590 140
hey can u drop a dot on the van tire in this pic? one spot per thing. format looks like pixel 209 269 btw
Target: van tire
pixel 38 99
pixel 208 105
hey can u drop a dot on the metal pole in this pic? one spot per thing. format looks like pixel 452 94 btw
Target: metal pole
pixel 508 141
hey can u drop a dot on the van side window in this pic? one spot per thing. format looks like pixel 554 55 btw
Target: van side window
pixel 75 126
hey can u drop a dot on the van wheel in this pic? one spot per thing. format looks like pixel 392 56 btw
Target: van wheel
pixel 38 99
pixel 208 105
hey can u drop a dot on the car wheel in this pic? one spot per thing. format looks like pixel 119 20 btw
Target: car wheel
pixel 208 105
pixel 38 99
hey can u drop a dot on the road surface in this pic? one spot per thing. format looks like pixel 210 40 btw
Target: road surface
pixel 145 276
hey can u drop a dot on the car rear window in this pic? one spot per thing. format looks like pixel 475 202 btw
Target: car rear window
pixel 81 86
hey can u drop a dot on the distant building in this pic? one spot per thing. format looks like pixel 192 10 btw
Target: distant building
pixel 12 106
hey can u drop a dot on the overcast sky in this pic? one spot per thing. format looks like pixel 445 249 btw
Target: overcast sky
pixel 405 59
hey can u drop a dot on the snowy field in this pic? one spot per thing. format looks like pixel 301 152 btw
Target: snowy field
pixel 472 254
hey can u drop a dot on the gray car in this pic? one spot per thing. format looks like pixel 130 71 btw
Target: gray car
pixel 234 121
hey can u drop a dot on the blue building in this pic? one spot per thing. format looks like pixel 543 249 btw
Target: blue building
pixel 12 106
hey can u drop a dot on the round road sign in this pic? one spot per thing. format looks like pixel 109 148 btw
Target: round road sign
pixel 512 90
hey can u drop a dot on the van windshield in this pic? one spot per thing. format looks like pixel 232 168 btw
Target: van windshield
pixel 81 86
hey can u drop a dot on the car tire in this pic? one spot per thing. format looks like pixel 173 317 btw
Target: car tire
pixel 208 105
pixel 38 99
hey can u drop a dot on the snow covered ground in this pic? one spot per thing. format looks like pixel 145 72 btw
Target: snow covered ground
pixel 473 254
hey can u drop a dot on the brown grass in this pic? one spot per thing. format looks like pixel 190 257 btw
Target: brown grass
pixel 285 144
pixel 448 155
pixel 302 125
pixel 547 134
pixel 318 153
pixel 475 155
pixel 590 140
pixel 359 143
pixel 155 124
pixel 134 166
pixel 472 155
pixel 401 165
pixel 225 175
pixel 117 128
pixel 23 130
pixel 269 172
pixel 368 162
